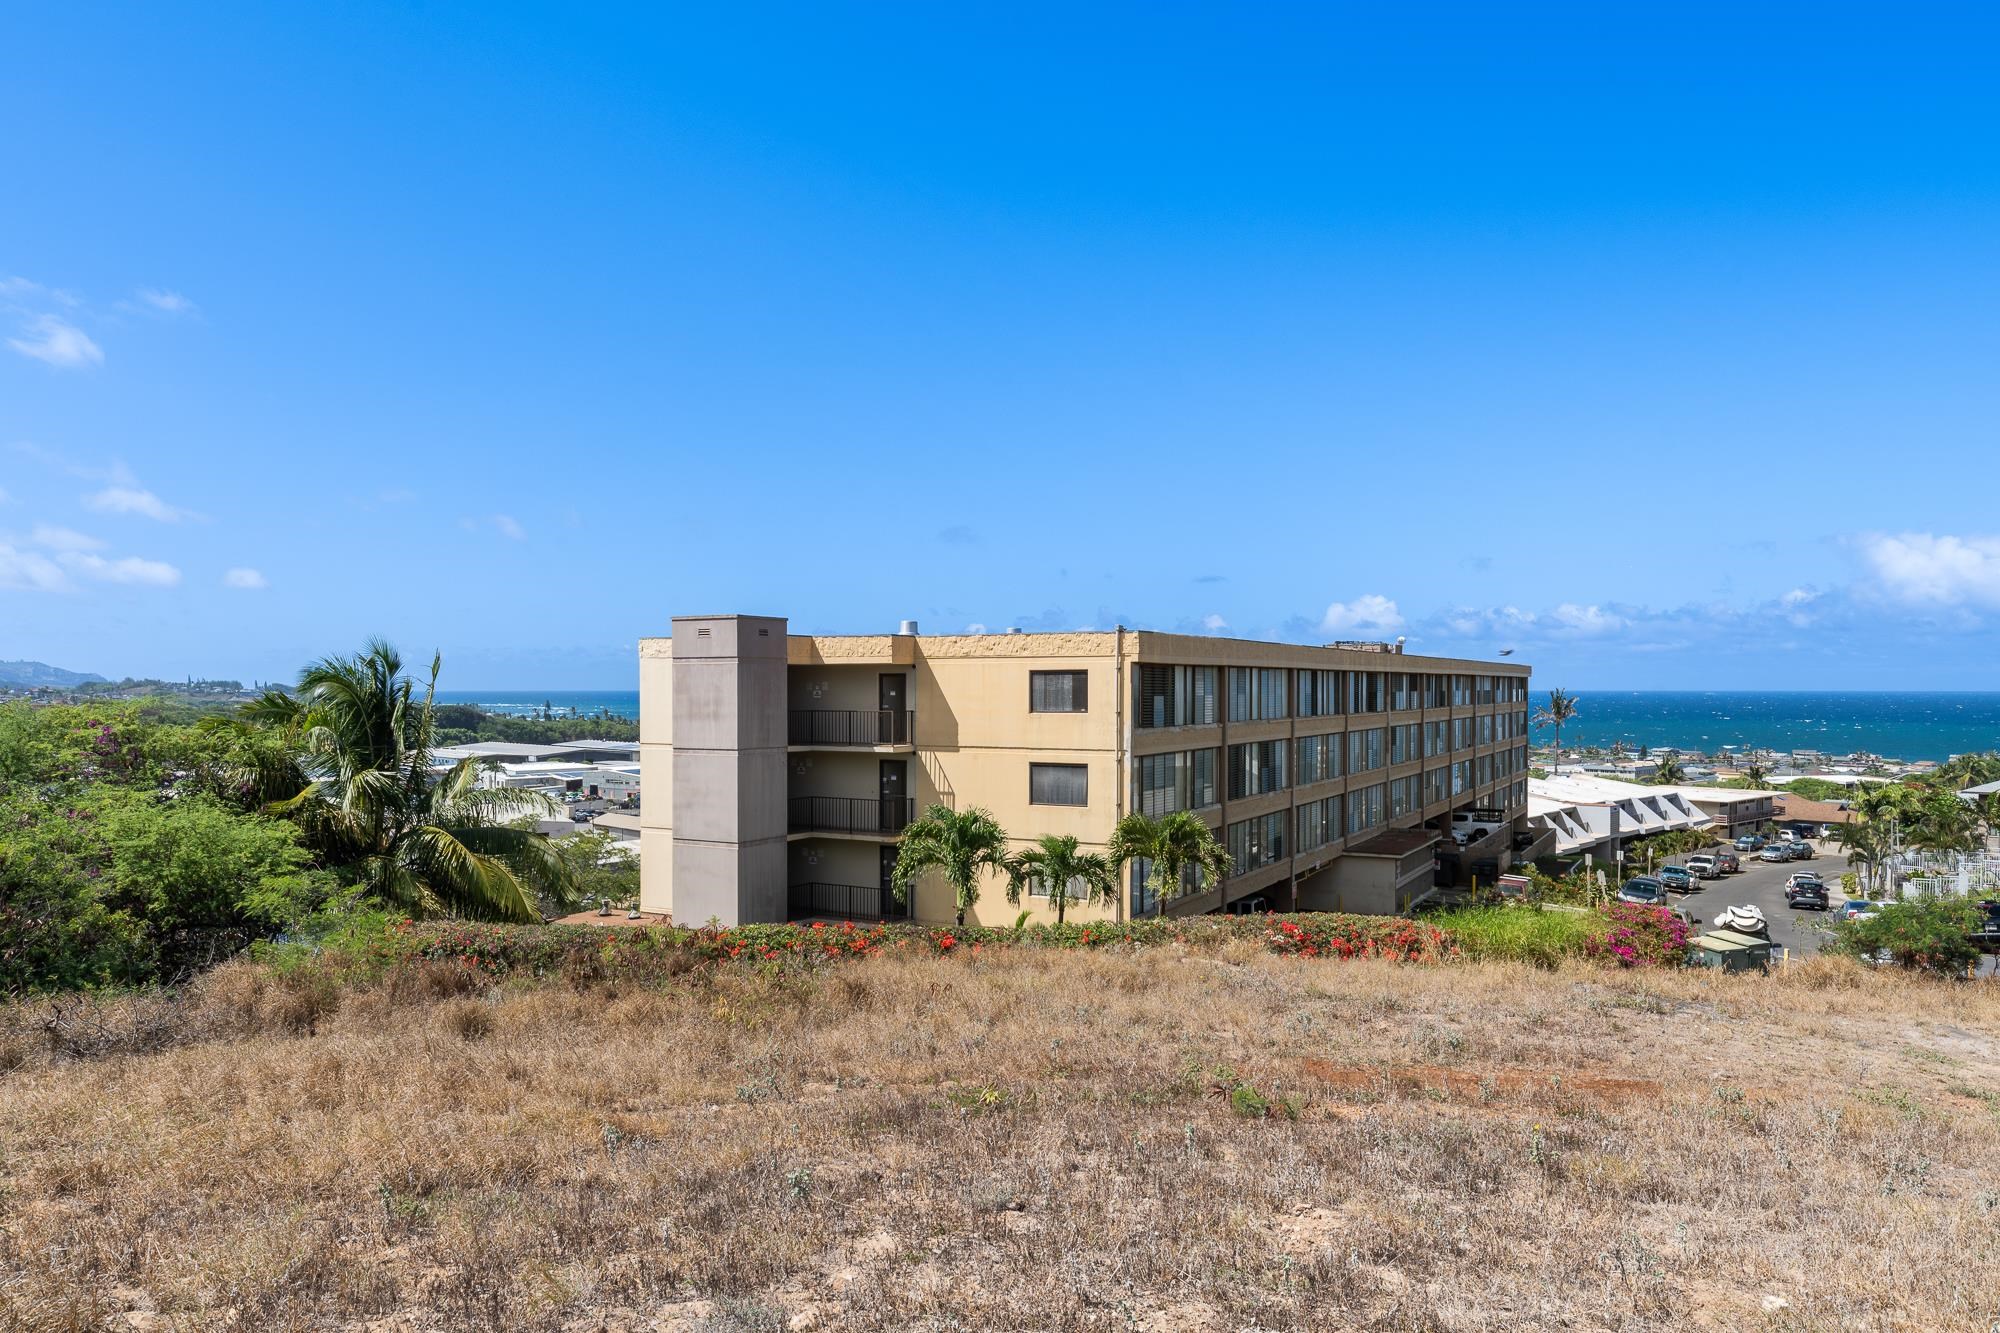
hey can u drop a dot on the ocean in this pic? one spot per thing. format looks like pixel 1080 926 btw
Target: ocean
pixel 1898 726
pixel 1895 726
pixel 522 703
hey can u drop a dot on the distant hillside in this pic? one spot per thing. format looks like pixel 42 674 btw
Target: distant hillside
pixel 41 673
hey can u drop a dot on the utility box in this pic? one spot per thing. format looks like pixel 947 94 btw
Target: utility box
pixel 1731 951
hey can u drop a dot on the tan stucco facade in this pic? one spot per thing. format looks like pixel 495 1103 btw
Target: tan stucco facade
pixel 881 726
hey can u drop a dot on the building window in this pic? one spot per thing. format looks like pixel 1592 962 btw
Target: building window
pixel 1437 691
pixel 1319 759
pixel 1403 797
pixel 1058 784
pixel 1364 809
pixel 1256 767
pixel 1257 842
pixel 1170 782
pixel 1058 691
pixel 1404 742
pixel 1258 694
pixel 1319 693
pixel 1367 691
pixel 1365 750
pixel 1174 696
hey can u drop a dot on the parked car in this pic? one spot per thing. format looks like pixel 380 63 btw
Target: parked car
pixel 1728 863
pixel 1799 850
pixel 1856 907
pixel 1775 852
pixel 1987 933
pixel 1749 842
pixel 1703 865
pixel 1807 895
pixel 1645 890
pixel 1798 877
pixel 1678 878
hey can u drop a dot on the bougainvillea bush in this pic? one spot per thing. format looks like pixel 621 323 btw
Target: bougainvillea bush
pixel 1638 936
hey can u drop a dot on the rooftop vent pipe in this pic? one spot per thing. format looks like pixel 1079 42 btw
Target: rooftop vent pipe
pixel 909 627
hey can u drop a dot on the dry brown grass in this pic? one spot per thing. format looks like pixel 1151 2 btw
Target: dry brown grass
pixel 1028 1140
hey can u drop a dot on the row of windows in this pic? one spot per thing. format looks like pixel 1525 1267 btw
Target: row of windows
pixel 1185 696
pixel 1185 780
pixel 1258 842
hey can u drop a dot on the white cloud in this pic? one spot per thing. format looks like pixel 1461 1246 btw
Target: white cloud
pixel 1586 619
pixel 29 570
pixel 508 527
pixel 245 578
pixel 166 302
pixel 976 627
pixel 1371 612
pixel 133 500
pixel 1927 570
pixel 60 343
pixel 1214 623
pixel 1799 597
pixel 63 539
pixel 128 569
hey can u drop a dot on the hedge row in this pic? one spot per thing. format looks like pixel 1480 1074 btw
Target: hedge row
pixel 640 952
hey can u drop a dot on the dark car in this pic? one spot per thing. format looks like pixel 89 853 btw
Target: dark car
pixel 1645 890
pixel 1800 850
pixel 1807 895
pixel 1728 863
pixel 1987 934
pixel 1749 842
pixel 1678 878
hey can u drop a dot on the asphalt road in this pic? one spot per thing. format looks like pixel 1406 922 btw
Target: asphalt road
pixel 1761 884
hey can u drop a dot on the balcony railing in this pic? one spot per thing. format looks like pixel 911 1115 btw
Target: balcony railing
pixel 851 814
pixel 851 726
pixel 850 902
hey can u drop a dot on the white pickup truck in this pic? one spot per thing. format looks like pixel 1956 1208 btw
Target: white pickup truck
pixel 1704 865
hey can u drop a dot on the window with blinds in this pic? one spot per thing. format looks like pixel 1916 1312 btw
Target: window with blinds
pixel 1365 750
pixel 1256 767
pixel 1058 691
pixel 1058 784
pixel 1174 696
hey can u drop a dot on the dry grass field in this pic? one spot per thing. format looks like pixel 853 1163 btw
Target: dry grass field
pixel 1141 1140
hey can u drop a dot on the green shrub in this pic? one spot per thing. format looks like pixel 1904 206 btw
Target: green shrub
pixel 1923 934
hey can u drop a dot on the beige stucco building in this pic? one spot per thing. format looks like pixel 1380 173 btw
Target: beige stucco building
pixel 779 769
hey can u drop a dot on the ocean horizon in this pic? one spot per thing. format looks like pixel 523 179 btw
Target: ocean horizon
pixel 1894 724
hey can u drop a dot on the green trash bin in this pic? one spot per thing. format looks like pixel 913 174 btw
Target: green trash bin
pixel 1731 951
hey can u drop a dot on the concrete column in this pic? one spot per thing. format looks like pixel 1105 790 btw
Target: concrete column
pixel 729 778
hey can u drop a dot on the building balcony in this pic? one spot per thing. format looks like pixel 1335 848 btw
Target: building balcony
pixel 856 728
pixel 844 902
pixel 863 816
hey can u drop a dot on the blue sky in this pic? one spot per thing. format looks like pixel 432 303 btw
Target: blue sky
pixel 1658 347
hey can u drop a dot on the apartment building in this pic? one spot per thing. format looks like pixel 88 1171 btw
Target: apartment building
pixel 781 768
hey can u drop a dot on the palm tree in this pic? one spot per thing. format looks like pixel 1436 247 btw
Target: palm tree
pixel 1058 862
pixel 1867 845
pixel 1668 772
pixel 1171 843
pixel 370 802
pixel 957 845
pixel 1755 773
pixel 1560 708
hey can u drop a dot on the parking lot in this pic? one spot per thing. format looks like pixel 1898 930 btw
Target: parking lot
pixel 1761 884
